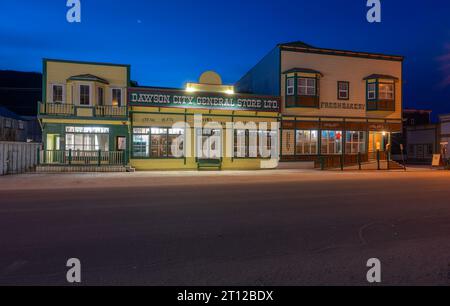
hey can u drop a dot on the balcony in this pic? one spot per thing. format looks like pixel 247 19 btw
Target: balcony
pixel 71 110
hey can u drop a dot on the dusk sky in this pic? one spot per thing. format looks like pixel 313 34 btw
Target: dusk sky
pixel 171 42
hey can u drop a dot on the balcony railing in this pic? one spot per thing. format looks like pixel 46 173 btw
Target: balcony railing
pixel 64 109
pixel 75 157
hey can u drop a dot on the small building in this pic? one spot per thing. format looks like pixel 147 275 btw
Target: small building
pixel 423 142
pixel 12 126
pixel 444 130
pixel 333 102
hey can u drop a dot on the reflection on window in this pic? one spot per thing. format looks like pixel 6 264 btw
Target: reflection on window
pixel 386 91
pixel 307 142
pixel 250 143
pixel 306 86
pixel 82 138
pixel 158 142
pixel 331 142
pixel 355 142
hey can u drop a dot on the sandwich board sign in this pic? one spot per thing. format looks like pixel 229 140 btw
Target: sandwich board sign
pixel 436 160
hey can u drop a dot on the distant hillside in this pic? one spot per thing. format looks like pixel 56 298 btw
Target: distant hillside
pixel 20 91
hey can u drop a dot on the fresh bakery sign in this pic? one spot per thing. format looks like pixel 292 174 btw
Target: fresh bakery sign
pixel 342 105
pixel 181 99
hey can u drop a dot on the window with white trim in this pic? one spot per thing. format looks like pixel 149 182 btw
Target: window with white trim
pixel 87 138
pixel 100 96
pixel 116 95
pixel 290 86
pixel 85 95
pixel 355 142
pixel 331 142
pixel 371 91
pixel 343 90
pixel 307 142
pixel 57 93
pixel 386 91
pixel 306 86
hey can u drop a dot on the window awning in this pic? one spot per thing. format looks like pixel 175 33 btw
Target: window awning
pixel 87 78
pixel 303 70
pixel 381 76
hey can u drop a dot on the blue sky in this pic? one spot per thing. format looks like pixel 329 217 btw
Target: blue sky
pixel 171 42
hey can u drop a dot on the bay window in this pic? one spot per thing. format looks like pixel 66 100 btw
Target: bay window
pixel 85 95
pixel 386 91
pixel 306 86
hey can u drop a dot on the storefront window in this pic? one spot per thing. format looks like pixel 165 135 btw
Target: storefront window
pixel 158 142
pixel 355 142
pixel 306 142
pixel 141 142
pixel 87 138
pixel 331 142
pixel 247 144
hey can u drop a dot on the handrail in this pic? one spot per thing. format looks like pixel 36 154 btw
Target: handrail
pixel 78 157
pixel 65 109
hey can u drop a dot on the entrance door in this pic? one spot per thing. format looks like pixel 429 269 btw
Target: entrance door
pixel 378 141
pixel 53 153
pixel 209 144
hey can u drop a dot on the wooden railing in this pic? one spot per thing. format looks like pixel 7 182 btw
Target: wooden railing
pixel 76 157
pixel 64 109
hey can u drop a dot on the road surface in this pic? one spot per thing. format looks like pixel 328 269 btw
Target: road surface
pixel 284 227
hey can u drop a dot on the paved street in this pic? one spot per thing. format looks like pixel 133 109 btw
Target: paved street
pixel 283 227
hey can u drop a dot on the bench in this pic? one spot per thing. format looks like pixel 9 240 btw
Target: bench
pixel 209 163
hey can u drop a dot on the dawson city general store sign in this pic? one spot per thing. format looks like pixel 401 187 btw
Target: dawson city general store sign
pixel 181 99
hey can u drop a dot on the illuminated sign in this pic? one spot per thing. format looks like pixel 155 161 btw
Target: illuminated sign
pixel 182 99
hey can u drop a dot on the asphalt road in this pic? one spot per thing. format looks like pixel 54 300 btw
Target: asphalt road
pixel 237 228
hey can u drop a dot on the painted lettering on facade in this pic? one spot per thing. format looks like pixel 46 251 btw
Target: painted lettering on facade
pixel 234 102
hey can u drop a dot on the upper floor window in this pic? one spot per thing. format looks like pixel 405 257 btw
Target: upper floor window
pixel 8 123
pixel 290 86
pixel 85 95
pixel 117 97
pixel 100 96
pixel 57 94
pixel 343 90
pixel 371 91
pixel 306 86
pixel 21 125
pixel 386 91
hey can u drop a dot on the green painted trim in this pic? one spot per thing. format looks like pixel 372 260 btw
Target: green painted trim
pixel 84 62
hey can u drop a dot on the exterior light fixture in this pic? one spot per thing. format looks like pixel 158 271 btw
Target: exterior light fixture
pixel 229 92
pixel 190 89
